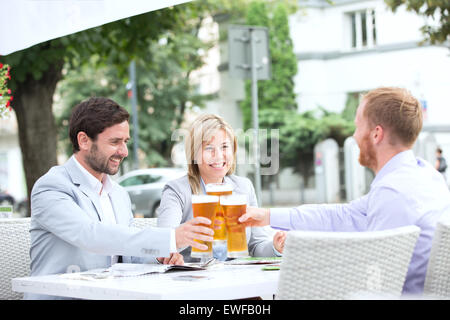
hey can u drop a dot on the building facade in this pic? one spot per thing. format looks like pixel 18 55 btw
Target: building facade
pixel 343 50
pixel 355 46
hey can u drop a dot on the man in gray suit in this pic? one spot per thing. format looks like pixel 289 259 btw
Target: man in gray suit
pixel 81 219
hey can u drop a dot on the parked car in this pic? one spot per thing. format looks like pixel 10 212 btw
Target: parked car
pixel 22 208
pixel 145 187
pixel 6 198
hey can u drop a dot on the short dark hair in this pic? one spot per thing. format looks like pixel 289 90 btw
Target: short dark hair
pixel 439 150
pixel 93 116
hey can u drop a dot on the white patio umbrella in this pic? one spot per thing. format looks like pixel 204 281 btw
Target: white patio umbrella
pixel 24 23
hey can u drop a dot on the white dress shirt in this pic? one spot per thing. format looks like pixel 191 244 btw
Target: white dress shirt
pixel 102 189
pixel 406 191
pixel 107 215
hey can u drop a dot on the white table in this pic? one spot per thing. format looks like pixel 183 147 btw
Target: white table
pixel 220 282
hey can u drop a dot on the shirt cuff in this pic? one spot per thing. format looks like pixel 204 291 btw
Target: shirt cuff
pixel 280 218
pixel 276 252
pixel 173 241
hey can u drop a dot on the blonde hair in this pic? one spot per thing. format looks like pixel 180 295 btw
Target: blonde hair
pixel 203 129
pixel 397 110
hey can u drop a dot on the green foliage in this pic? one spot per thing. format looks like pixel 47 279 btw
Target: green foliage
pixel 300 132
pixel 278 92
pixel 80 84
pixel 164 90
pixel 109 49
pixel 235 11
pixel 115 43
pixel 34 61
pixel 5 93
pixel 435 9
pixel 351 105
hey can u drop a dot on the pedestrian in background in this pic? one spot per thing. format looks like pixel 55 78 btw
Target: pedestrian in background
pixel 441 163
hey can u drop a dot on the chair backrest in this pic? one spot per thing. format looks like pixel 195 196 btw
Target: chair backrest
pixel 344 265
pixel 15 251
pixel 144 222
pixel 14 254
pixel 437 280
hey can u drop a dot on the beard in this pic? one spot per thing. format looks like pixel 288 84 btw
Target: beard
pixel 367 157
pixel 100 162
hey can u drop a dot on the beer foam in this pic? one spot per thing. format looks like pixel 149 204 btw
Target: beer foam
pixel 218 187
pixel 204 198
pixel 233 200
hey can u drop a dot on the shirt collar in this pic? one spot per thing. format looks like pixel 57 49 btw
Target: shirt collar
pixel 94 183
pixel 396 161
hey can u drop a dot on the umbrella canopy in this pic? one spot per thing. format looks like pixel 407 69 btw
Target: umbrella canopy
pixel 25 23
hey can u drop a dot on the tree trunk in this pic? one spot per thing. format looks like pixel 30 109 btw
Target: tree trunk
pixel 33 101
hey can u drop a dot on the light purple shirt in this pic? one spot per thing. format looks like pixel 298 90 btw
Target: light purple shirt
pixel 406 191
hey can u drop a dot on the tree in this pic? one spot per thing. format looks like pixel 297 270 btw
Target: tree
pixel 78 85
pixel 277 92
pixel 276 96
pixel 300 132
pixel 164 92
pixel 351 104
pixel 37 70
pixel 435 9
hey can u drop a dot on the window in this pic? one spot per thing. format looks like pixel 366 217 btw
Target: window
pixel 362 28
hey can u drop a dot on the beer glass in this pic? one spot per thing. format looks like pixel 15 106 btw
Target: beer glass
pixel 204 206
pixel 234 206
pixel 219 189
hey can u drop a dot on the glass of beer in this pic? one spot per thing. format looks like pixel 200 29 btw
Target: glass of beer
pixel 204 206
pixel 234 206
pixel 219 189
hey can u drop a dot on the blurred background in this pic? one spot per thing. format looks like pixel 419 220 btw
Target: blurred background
pixel 323 56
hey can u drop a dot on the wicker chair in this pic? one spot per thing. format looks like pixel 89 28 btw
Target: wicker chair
pixel 14 254
pixel 15 251
pixel 144 222
pixel 345 265
pixel 437 281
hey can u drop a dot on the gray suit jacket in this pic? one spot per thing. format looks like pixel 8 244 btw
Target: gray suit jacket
pixel 66 230
pixel 176 208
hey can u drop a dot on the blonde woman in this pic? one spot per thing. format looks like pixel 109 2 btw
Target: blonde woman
pixel 211 156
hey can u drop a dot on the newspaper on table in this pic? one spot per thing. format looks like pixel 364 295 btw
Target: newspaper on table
pixel 137 269
pixel 132 270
